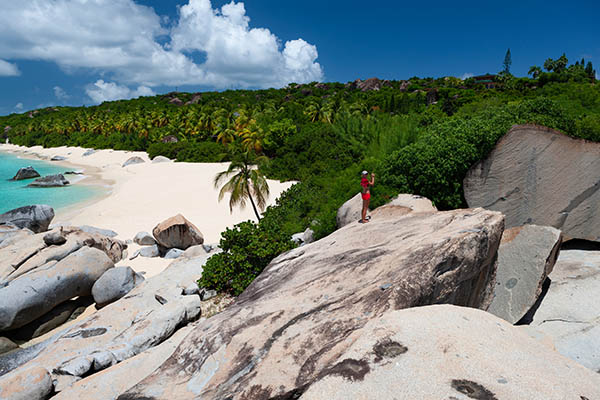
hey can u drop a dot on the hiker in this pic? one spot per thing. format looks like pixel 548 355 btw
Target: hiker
pixel 366 193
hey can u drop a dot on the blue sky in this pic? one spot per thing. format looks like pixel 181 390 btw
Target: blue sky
pixel 74 52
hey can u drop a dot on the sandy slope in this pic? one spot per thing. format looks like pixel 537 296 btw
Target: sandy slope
pixel 142 195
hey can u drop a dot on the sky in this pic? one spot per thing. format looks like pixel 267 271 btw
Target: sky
pixel 84 52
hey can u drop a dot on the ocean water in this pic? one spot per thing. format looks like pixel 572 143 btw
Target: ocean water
pixel 15 194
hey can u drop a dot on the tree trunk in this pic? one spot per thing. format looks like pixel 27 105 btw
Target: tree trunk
pixel 253 205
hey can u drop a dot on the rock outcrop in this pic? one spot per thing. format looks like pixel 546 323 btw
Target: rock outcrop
pixel 57 180
pixel 114 284
pixel 525 258
pixel 310 304
pixel 35 218
pixel 539 176
pixel 350 211
pixel 177 232
pixel 448 352
pixel 25 173
pixel 31 384
pixel 32 295
pixel 569 312
pixel 133 160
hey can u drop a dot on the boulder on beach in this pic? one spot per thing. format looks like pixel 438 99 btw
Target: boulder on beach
pixel 33 383
pixel 58 158
pixel 36 218
pixel 88 152
pixel 536 175
pixel 144 239
pixel 177 232
pixel 93 230
pixel 133 160
pixel 447 352
pixel 569 311
pixel 57 180
pixel 160 159
pixel 308 306
pixel 114 284
pixel 147 251
pixel 32 295
pixel 525 258
pixel 25 173
pixel 350 211
pixel 174 253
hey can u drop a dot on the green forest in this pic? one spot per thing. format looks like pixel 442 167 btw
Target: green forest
pixel 419 135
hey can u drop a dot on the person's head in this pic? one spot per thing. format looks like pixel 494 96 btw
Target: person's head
pixel 364 174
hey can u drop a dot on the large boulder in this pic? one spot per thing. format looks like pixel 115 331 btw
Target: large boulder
pixel 539 176
pixel 448 352
pixel 57 180
pixel 25 173
pixel 569 311
pixel 310 304
pixel 133 160
pixel 525 258
pixel 35 218
pixel 114 284
pixel 350 211
pixel 160 159
pixel 33 383
pixel 177 232
pixel 140 320
pixel 32 295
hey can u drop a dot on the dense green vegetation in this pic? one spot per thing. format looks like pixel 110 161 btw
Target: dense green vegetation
pixel 419 136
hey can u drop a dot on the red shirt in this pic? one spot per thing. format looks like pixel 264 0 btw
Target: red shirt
pixel 364 182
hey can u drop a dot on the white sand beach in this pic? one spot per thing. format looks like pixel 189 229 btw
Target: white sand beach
pixel 142 195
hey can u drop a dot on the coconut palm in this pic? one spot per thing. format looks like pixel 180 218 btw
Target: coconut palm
pixel 243 180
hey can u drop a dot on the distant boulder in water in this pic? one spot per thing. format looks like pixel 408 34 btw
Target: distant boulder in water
pixel 25 173
pixel 57 180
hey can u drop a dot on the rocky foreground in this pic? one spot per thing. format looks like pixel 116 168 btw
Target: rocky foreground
pixel 415 304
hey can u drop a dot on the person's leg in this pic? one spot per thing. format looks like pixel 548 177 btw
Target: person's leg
pixel 366 207
pixel 364 211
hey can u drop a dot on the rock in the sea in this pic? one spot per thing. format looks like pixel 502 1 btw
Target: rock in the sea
pixel 114 284
pixel 174 253
pixel 160 159
pixel 148 251
pixel 569 311
pixel 539 176
pixel 25 173
pixel 177 232
pixel 350 211
pixel 35 218
pixel 7 345
pixel 32 295
pixel 144 239
pixel 58 158
pixel 57 180
pixel 55 238
pixel 310 304
pixel 33 383
pixel 525 258
pixel 446 352
pixel 133 160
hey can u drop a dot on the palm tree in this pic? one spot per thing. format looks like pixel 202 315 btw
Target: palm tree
pixel 245 181
pixel 535 71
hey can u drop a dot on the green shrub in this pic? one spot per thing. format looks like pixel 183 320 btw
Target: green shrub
pixel 247 249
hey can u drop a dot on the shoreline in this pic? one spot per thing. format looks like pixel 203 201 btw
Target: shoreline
pixel 142 195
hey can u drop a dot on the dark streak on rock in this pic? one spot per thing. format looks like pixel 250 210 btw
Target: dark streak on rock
pixel 473 390
pixel 354 370
pixel 388 349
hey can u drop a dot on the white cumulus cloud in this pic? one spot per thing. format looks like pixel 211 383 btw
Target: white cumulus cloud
pixel 8 69
pixel 467 75
pixel 106 91
pixel 19 106
pixel 120 40
pixel 60 93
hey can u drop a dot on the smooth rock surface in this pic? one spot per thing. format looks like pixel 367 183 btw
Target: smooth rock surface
pixel 411 201
pixel 525 258
pixel 35 218
pixel 309 305
pixel 350 211
pixel 133 160
pixel 144 239
pixel 539 176
pixel 305 237
pixel 25 173
pixel 114 284
pixel 177 232
pixel 57 180
pixel 448 352
pixel 32 383
pixel 174 253
pixel 32 295
pixel 148 251
pixel 195 251
pixel 569 312
pixel 98 231
pixel 54 238
pixel 160 159
pixel 88 152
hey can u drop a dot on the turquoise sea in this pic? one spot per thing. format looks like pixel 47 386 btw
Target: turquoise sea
pixel 15 194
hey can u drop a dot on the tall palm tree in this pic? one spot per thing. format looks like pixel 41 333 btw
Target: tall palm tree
pixel 244 181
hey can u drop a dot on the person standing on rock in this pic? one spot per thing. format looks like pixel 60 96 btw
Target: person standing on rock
pixel 365 183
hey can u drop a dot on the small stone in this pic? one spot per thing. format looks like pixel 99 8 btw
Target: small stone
pixel 54 239
pixel 207 294
pixel 144 239
pixel 149 251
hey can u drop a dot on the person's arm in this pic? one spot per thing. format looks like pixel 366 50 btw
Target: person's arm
pixel 372 179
